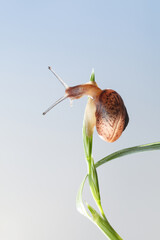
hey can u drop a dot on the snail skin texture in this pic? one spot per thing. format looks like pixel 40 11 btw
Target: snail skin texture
pixel 110 114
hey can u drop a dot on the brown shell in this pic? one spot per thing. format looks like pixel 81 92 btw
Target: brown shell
pixel 111 115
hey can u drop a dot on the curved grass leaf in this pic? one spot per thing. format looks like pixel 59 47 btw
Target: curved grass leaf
pixel 79 202
pixel 102 223
pixel 127 151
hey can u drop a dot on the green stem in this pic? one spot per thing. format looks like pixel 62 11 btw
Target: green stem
pixel 104 225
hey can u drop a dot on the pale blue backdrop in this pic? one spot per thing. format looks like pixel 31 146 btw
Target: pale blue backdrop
pixel 41 158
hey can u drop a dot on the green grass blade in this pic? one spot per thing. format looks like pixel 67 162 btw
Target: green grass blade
pixel 79 202
pixel 93 181
pixel 127 151
pixel 103 224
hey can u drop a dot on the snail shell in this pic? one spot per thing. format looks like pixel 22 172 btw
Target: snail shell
pixel 111 115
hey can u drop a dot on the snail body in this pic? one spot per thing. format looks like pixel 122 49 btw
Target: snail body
pixel 111 117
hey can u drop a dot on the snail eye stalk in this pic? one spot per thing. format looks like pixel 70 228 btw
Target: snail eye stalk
pixel 60 79
pixel 54 104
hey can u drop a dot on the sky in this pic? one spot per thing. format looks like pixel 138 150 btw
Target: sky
pixel 42 161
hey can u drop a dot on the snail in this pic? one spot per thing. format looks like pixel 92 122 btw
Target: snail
pixel 111 117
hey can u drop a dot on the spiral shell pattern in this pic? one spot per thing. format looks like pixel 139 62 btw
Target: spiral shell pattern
pixel 111 115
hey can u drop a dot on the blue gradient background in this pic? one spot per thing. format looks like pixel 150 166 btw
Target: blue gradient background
pixel 41 158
